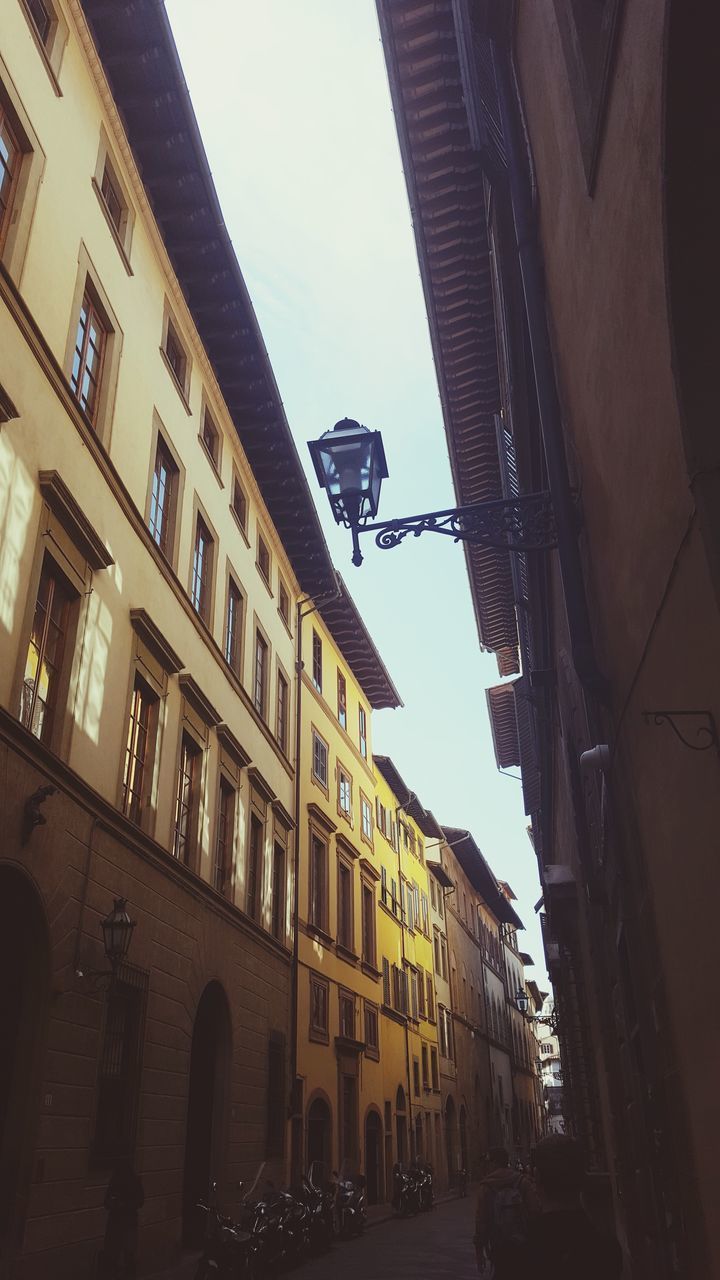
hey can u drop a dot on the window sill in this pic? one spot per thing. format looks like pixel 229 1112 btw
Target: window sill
pixel 389 913
pixel 372 1054
pixel 318 1037
pixel 315 931
pixel 320 786
pixel 285 623
pixel 175 381
pixel 265 581
pixel 113 229
pixel 211 460
pixel 345 953
pixel 370 971
pixel 240 525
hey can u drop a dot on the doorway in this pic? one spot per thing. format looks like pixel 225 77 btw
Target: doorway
pixel 208 1093
pixel 450 1141
pixel 401 1126
pixel 373 1158
pixel 24 999
pixel 319 1140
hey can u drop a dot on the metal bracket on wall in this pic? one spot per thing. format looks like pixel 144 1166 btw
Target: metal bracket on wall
pixel 705 733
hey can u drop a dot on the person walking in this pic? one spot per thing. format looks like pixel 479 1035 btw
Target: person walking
pixel 123 1200
pixel 563 1242
pixel 506 1202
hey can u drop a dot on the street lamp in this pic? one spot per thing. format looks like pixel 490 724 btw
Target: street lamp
pixel 521 1000
pixel 117 930
pixel 350 465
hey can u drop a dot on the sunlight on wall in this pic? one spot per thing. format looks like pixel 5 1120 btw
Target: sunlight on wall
pixel 16 497
pixel 93 667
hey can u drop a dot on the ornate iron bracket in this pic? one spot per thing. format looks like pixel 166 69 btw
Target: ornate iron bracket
pixel 526 523
pixel 33 815
pixel 706 735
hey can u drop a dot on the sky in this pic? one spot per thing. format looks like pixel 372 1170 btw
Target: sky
pixel 294 108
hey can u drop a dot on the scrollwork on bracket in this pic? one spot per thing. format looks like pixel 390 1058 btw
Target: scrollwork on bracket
pixel 519 524
pixel 705 734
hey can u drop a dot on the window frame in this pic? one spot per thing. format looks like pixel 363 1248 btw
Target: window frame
pixel 88 283
pixel 262 545
pixel 284 593
pixel 234 590
pixel 162 444
pixel 366 809
pixel 278 888
pixel 342 700
pixel 263 686
pixel 344 787
pixel 317 660
pixel 589 88
pixel 324 784
pixel 147 766
pixel 122 230
pixel 56 733
pixel 239 487
pixel 319 898
pixel 362 731
pixel 172 332
pixel 204 606
pixel 282 729
pixel 372 1047
pixel 228 828
pixel 368 923
pixel 255 864
pixel 208 420
pixel 347 999
pixel 188 853
pixel 26 183
pixel 318 1032
pixel 345 906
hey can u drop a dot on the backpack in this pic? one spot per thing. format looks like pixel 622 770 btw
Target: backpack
pixel 509 1220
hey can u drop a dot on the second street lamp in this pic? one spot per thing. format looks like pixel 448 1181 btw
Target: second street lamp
pixel 350 464
pixel 521 1000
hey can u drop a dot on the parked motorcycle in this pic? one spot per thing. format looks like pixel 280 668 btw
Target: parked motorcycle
pixel 320 1204
pixel 350 1211
pixel 425 1187
pixel 406 1192
pixel 227 1254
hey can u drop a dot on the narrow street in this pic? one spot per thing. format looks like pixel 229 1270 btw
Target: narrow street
pixel 429 1247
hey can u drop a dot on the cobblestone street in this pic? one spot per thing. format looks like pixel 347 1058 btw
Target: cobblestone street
pixel 433 1246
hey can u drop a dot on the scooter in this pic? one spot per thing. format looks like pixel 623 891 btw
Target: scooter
pixel 425 1187
pixel 350 1212
pixel 406 1192
pixel 227 1252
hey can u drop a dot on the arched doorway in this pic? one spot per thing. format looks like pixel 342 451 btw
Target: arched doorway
pixel 450 1140
pixel 24 997
pixel 373 1158
pixel 319 1139
pixel 208 1093
pixel 464 1154
pixel 401 1126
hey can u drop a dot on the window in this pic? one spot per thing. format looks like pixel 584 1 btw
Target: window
pixel 42 18
pixel 210 437
pixel 449 1033
pixel 425 916
pixel 425 1071
pixel 118 1082
pixel 441 1032
pixel 319 988
pixel 318 883
pixel 400 990
pixel 408 918
pixel 416 1078
pixel 200 587
pixel 238 505
pixel 395 900
pixel 345 906
pixel 386 981
pixel 44 664
pixel 443 957
pixel 421 992
pixel 10 162
pixel 278 892
pixel 430 992
pixel 319 759
pixel 234 627
pixel 281 729
pixel 163 498
pixel 187 800
pixel 317 661
pixel 222 872
pixel 434 1073
pixel 175 354
pixel 276 1091
pixel 383 885
pixel 347 1015
pixel 342 700
pixel 368 924
pixel 546 1048
pixel 588 36
pixel 372 1043
pixel 253 885
pixel 263 559
pixel 416 905
pixel 138 751
pixel 112 197
pixel 441 903
pixel 260 678
pixel 283 602
pixel 414 1003
pixel 344 793
pixel 362 715
pixel 90 342
pixel 366 817
pixel 433 899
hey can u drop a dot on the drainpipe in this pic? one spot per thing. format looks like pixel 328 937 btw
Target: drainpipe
pixel 294 1108
pixel 533 283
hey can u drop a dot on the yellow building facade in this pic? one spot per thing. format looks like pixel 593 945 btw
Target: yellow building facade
pixel 410 1061
pixel 340 1045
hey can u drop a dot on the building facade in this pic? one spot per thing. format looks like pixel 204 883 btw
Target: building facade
pixel 157 535
pixel 542 145
pixel 341 1050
